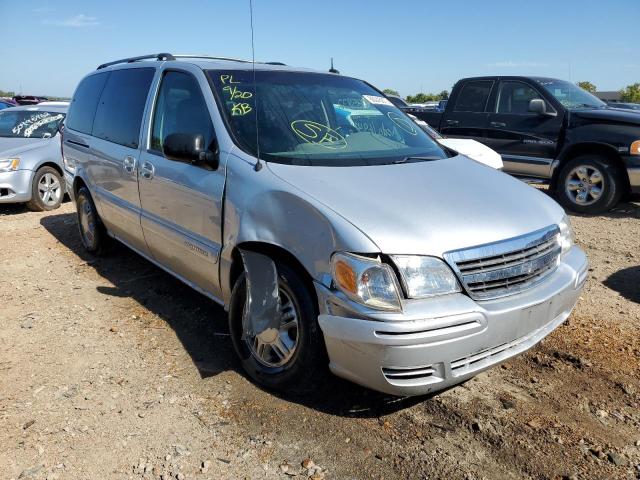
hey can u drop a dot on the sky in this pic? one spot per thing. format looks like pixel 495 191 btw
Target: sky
pixel 406 45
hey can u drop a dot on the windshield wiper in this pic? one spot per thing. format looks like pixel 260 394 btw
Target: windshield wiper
pixel 411 159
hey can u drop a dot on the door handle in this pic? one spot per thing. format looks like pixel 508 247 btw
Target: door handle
pixel 453 123
pixel 147 170
pixel 498 124
pixel 129 164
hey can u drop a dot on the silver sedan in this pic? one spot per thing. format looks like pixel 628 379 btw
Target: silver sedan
pixel 31 169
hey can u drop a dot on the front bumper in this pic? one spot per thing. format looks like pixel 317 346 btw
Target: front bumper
pixel 437 343
pixel 15 186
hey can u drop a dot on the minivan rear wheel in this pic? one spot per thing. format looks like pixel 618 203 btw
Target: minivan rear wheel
pixel 589 184
pixel 291 360
pixel 93 234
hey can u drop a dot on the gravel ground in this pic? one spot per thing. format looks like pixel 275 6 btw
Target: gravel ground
pixel 112 369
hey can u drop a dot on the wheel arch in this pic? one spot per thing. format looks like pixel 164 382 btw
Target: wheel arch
pixel 590 148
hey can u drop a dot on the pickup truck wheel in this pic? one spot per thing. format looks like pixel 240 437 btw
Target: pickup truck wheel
pixel 93 234
pixel 47 190
pixel 291 361
pixel 589 184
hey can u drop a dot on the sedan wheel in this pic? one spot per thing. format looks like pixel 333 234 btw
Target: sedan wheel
pixel 50 190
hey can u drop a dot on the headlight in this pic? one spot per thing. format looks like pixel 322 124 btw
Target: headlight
pixel 634 149
pixel 367 281
pixel 9 164
pixel 566 234
pixel 425 276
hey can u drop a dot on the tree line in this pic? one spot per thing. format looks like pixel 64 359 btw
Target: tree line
pixel 630 93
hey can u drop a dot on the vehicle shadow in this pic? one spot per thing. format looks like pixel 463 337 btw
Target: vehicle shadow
pixel 626 282
pixel 18 208
pixel 201 325
pixel 12 209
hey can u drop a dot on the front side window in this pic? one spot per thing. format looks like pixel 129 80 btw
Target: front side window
pixel 571 96
pixel 180 108
pixel 29 123
pixel 121 106
pixel 514 97
pixel 474 96
pixel 317 119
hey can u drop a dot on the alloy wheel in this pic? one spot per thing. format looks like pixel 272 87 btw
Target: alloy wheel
pixel 274 348
pixel 584 185
pixel 49 189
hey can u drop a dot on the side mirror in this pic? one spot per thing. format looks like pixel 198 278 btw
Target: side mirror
pixel 537 105
pixel 190 148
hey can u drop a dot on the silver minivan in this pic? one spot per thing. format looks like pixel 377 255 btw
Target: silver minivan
pixel 332 229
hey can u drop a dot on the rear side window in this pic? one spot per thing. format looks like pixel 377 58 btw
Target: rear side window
pixel 121 106
pixel 83 106
pixel 474 96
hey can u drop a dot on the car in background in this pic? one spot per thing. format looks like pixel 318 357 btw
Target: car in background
pixel 6 103
pixel 397 101
pixel 625 106
pixel 467 147
pixel 29 99
pixel 57 103
pixel 550 130
pixel 31 169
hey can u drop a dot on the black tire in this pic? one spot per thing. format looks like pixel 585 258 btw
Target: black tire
pixel 612 185
pixel 309 360
pixel 53 198
pixel 93 234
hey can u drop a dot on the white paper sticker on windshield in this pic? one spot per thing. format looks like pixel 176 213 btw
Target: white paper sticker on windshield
pixel 377 100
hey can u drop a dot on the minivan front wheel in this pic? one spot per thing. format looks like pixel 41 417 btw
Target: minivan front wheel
pixel 290 358
pixel 589 184
pixel 92 232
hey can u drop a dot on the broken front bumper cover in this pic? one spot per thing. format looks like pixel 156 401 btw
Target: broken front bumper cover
pixel 437 343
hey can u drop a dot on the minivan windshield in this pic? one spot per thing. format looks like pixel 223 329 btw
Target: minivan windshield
pixel 29 123
pixel 318 119
pixel 571 96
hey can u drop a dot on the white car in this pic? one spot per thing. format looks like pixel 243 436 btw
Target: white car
pixel 470 148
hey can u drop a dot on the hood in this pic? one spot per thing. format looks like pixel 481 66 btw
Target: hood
pixel 427 208
pixel 608 115
pixel 10 147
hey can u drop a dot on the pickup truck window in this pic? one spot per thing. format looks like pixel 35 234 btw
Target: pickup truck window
pixel 571 96
pixel 474 96
pixel 317 119
pixel 514 97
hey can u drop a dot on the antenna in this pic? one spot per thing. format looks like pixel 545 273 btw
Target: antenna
pixel 258 165
pixel 333 70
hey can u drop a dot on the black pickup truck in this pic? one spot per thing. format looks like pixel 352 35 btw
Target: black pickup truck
pixel 549 129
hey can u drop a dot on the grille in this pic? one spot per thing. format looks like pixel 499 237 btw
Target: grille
pixel 503 268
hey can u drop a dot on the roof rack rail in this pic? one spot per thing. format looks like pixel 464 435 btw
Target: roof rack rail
pixel 167 56
pixel 210 57
pixel 155 56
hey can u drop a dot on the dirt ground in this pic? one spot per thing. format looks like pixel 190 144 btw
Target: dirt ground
pixel 112 369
